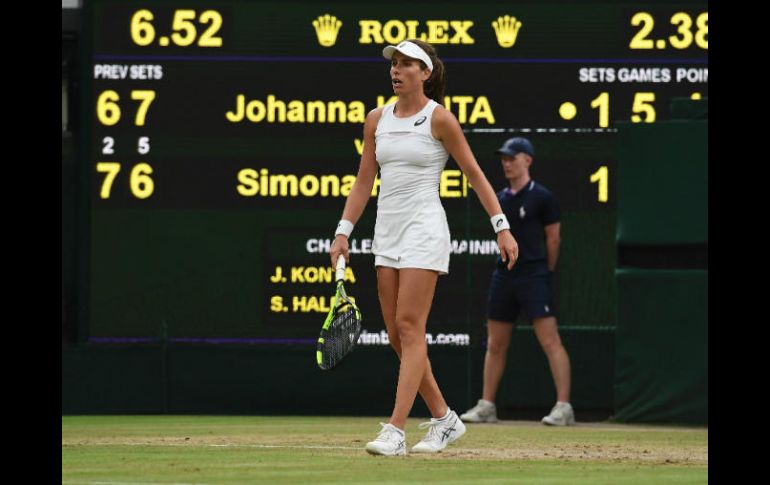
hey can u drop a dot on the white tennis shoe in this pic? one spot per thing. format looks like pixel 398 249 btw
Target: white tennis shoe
pixel 390 441
pixel 562 414
pixel 441 432
pixel 483 412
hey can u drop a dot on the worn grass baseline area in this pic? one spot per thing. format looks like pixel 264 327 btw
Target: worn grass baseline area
pixel 256 449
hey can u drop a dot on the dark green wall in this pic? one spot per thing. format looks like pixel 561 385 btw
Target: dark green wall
pixel 198 379
pixel 661 371
pixel 662 346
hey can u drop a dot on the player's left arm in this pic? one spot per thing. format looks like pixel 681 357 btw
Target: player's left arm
pixel 446 129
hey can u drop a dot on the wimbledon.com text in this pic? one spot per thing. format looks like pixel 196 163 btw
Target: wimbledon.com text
pixel 381 338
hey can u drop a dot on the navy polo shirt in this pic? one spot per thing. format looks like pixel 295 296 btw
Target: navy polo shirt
pixel 528 211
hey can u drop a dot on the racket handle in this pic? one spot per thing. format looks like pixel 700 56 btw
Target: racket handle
pixel 340 268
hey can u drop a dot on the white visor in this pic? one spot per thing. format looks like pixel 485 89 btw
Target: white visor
pixel 409 49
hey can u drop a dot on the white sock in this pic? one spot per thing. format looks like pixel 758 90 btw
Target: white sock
pixel 448 412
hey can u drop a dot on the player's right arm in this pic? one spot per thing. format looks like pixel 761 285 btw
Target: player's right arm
pixel 362 187
pixel 367 170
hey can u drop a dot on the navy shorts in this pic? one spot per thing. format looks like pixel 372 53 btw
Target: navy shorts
pixel 508 296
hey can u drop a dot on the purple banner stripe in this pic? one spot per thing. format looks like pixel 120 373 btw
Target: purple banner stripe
pixel 121 340
pixel 494 60
pixel 196 340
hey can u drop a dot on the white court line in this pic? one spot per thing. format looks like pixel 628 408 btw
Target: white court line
pixel 299 447
pixel 84 482
pixel 306 447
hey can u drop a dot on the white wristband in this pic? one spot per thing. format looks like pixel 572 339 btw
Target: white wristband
pixel 344 227
pixel 499 222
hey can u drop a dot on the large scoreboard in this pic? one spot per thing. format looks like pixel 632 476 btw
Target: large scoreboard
pixel 223 137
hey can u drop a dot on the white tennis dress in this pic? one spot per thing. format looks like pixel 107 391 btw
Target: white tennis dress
pixel 411 229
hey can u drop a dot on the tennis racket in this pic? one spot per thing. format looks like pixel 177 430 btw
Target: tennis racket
pixel 342 326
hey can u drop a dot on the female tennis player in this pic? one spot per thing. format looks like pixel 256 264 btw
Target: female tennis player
pixel 411 140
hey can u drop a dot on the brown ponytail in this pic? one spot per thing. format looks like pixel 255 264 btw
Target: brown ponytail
pixel 434 86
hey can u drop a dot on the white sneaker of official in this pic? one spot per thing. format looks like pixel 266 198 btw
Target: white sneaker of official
pixel 441 432
pixel 562 414
pixel 483 412
pixel 390 441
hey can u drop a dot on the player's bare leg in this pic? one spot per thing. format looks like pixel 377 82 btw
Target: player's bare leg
pixel 415 296
pixel 387 288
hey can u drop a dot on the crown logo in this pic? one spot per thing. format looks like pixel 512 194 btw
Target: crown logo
pixel 506 30
pixel 326 29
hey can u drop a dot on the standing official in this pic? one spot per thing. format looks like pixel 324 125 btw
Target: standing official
pixel 534 217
